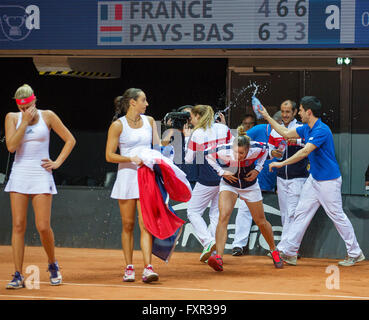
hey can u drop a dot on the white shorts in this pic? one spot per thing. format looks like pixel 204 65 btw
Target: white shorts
pixel 250 194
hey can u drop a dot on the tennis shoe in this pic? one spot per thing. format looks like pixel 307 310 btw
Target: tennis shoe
pixel 17 282
pixel 278 262
pixel 129 274
pixel 206 253
pixel 149 275
pixel 55 275
pixel 216 262
pixel 350 261
pixel 291 260
pixel 237 251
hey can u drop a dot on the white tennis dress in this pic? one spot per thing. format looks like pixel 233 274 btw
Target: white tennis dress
pixel 130 141
pixel 27 175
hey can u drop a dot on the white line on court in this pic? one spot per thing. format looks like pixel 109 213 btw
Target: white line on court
pixel 39 297
pixel 196 289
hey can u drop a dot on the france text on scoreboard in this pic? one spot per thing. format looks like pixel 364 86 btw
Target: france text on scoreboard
pixel 78 24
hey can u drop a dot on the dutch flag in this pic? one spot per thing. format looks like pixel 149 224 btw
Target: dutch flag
pixel 110 23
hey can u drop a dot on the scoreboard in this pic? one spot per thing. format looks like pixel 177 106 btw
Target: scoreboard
pixel 166 24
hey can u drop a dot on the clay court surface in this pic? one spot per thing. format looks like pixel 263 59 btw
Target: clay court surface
pixel 97 274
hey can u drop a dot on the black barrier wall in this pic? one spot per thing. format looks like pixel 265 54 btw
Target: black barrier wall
pixel 88 218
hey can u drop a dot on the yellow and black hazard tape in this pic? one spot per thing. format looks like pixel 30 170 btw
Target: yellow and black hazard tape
pixel 75 73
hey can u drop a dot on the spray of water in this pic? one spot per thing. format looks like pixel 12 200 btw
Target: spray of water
pixel 256 90
pixel 241 94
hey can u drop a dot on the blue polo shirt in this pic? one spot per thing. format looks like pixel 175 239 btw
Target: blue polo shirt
pixel 323 163
pixel 260 132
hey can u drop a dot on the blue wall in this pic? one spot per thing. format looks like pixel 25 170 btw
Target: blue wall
pixel 93 24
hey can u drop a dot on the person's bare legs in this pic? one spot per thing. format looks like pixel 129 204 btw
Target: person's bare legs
pixel 127 212
pixel 42 208
pixel 19 206
pixel 257 213
pixel 146 238
pixel 227 201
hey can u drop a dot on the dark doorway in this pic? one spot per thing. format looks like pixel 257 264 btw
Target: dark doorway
pixel 272 89
pixel 277 86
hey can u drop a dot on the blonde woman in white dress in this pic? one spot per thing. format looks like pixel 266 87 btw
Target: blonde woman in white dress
pixel 27 134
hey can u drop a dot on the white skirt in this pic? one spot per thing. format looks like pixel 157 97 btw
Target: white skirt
pixel 29 177
pixel 126 183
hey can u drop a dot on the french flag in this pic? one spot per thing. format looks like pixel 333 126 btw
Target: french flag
pixel 110 23
pixel 159 180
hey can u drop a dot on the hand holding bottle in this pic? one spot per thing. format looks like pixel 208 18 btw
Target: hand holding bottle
pixel 257 107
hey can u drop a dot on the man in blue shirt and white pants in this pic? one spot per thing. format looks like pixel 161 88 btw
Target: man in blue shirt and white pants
pixel 323 186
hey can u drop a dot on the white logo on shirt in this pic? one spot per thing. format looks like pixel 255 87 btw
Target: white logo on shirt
pixel 311 138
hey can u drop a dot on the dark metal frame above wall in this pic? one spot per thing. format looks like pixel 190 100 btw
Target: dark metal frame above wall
pixel 303 54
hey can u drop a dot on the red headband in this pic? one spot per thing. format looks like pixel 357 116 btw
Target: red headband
pixel 26 100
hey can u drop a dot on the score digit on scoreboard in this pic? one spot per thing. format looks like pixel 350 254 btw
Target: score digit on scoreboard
pixel 317 23
pixel 281 22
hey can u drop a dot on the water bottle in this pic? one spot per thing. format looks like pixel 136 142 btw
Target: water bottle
pixel 217 117
pixel 282 148
pixel 257 106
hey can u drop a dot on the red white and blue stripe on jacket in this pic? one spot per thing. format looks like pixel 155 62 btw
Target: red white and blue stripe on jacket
pixel 200 141
pixel 295 170
pixel 255 158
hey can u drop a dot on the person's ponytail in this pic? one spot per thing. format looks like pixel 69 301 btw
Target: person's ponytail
pixel 206 116
pixel 242 139
pixel 121 103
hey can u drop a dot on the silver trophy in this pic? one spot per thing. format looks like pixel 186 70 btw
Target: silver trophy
pixel 15 23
